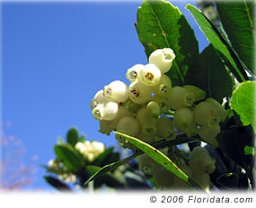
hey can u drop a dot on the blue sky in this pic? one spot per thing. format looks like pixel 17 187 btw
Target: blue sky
pixel 56 56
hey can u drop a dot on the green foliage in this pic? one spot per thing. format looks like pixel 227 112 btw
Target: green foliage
pixel 241 138
pixel 72 136
pixel 56 183
pixel 157 156
pixel 108 178
pixel 70 158
pixel 107 157
pixel 218 42
pixel 243 102
pixel 237 20
pixel 209 74
pixel 162 25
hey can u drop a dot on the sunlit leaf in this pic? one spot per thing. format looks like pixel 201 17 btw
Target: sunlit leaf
pixel 162 25
pixel 218 43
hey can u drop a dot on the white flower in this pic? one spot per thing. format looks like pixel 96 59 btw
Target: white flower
pixel 132 73
pixel 138 93
pixel 162 58
pixel 117 91
pixel 90 149
pixel 150 75
pixel 98 98
pixel 106 111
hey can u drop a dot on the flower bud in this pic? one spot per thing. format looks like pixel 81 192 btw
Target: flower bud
pixel 154 108
pixel 105 127
pixel 203 181
pixel 183 118
pixel 208 134
pixel 150 75
pixel 145 164
pixel 201 162
pixel 221 112
pixel 165 128
pixel 179 97
pixel 162 58
pixel 128 125
pixel 164 87
pixel 205 114
pixel 198 93
pixel 163 103
pixel 146 121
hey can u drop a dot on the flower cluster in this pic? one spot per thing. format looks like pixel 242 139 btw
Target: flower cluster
pixel 58 167
pixel 143 108
pixel 90 150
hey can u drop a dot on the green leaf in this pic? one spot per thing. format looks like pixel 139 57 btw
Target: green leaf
pixel 70 158
pixel 72 136
pixel 237 21
pixel 209 74
pixel 56 183
pixel 162 25
pixel 180 139
pixel 156 155
pixel 243 102
pixel 218 43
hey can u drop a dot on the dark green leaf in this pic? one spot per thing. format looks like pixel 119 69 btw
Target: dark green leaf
pixel 233 142
pixel 82 138
pixel 218 42
pixel 70 158
pixel 72 136
pixel 135 181
pixel 110 167
pixel 228 180
pixel 209 74
pixel 243 102
pixel 109 179
pixel 56 183
pixel 162 25
pixel 106 157
pixel 237 20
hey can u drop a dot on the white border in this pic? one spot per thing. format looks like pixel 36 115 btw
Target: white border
pixel 102 199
